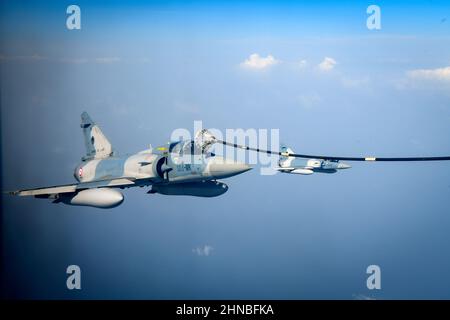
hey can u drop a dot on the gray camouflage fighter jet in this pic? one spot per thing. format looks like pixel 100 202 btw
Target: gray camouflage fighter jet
pixel 289 164
pixel 179 168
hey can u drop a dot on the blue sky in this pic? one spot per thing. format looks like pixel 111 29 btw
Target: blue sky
pixel 318 74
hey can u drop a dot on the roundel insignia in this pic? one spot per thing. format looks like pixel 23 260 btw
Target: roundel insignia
pixel 80 172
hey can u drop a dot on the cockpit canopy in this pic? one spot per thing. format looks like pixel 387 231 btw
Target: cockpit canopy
pixel 187 147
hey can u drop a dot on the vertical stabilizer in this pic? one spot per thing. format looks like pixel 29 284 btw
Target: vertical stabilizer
pixel 97 145
pixel 285 161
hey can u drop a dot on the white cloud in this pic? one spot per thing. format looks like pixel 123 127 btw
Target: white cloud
pixel 34 57
pixel 441 74
pixel 302 63
pixel 90 60
pixel 73 60
pixel 437 80
pixel 102 60
pixel 327 64
pixel 107 60
pixel 256 62
pixel 69 60
pixel 203 251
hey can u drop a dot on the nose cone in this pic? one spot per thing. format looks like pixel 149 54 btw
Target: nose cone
pixel 224 168
pixel 344 166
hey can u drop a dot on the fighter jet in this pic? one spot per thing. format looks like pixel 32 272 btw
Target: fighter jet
pixel 178 168
pixel 289 164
